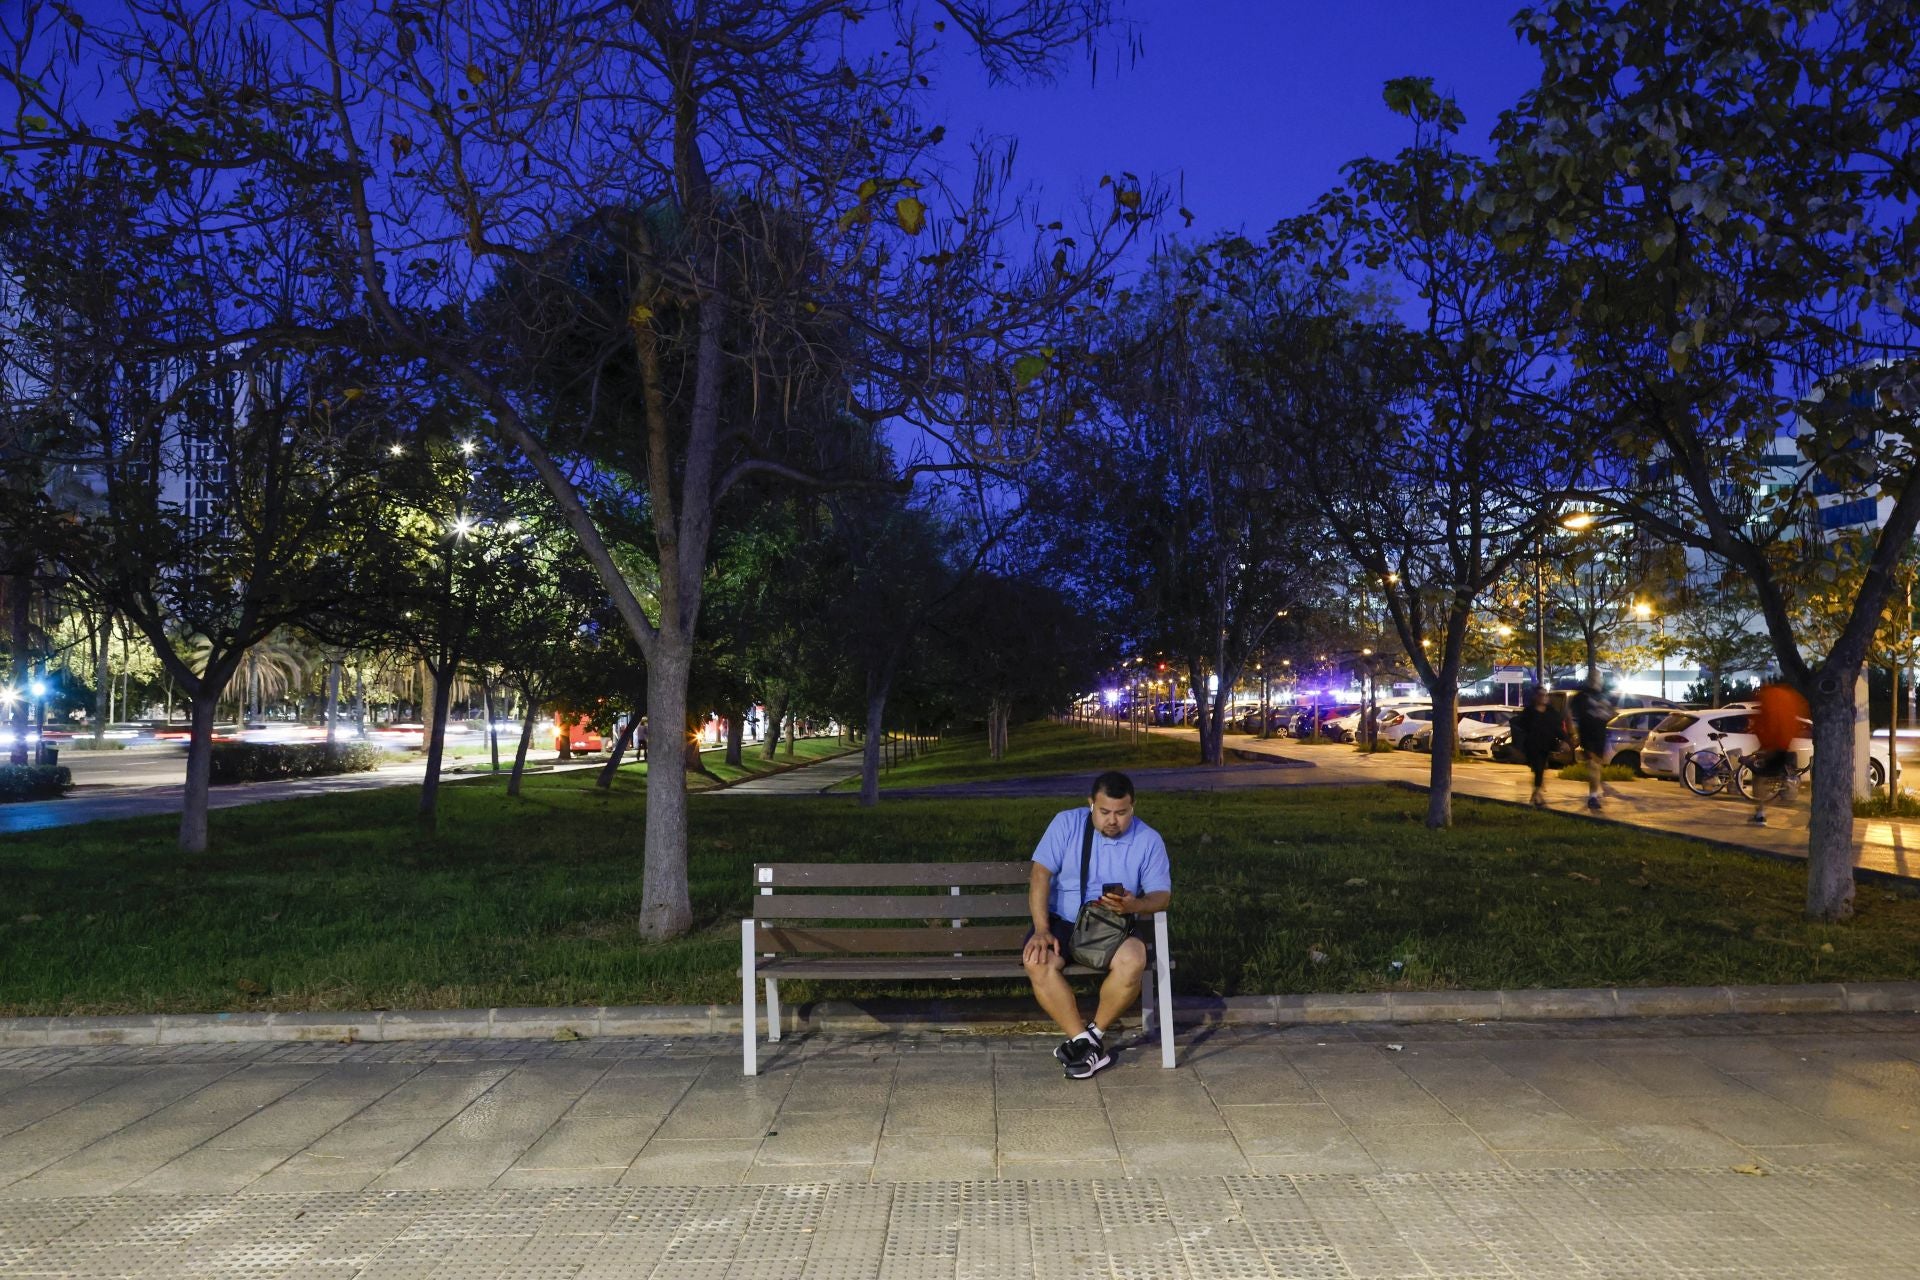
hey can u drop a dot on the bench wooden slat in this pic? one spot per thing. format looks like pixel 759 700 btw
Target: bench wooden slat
pixel 874 875
pixel 853 942
pixel 886 906
pixel 898 968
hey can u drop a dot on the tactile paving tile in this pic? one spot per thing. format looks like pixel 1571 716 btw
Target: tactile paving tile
pixel 1205 1263
pixel 818 1268
pixel 1292 1234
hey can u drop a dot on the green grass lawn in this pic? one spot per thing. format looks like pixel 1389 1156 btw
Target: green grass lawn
pixel 335 902
pixel 1034 750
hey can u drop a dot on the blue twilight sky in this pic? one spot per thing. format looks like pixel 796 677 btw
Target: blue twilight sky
pixel 1246 109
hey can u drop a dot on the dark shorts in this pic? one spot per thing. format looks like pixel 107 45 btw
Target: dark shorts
pixel 1594 744
pixel 1063 930
pixel 1770 764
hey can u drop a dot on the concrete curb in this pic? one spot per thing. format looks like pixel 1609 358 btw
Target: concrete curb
pixel 977 1016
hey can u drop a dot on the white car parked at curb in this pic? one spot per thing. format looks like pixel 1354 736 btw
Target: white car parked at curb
pixel 1685 732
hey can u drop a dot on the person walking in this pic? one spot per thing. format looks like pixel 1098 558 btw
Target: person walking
pixel 1125 870
pixel 1537 732
pixel 1782 717
pixel 1591 712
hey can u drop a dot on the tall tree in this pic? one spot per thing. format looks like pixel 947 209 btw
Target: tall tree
pixel 1728 194
pixel 755 171
pixel 1165 507
pixel 1425 448
pixel 224 467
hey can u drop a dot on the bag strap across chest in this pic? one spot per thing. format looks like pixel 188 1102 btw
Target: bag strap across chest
pixel 1086 856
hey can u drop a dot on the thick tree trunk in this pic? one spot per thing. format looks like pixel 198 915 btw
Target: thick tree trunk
pixel 793 732
pixel 1830 853
pixel 870 753
pixel 776 712
pixel 665 908
pixel 442 688
pixel 620 743
pixel 1446 737
pixel 520 751
pixel 736 735
pixel 1212 716
pixel 193 809
pixel 424 681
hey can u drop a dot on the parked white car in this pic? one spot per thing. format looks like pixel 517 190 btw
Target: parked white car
pixel 1410 720
pixel 1909 759
pixel 1685 732
pixel 1482 726
pixel 1349 723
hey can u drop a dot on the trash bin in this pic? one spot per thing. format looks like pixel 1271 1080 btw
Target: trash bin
pixel 48 754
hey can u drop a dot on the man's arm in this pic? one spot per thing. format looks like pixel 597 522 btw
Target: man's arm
pixel 1039 887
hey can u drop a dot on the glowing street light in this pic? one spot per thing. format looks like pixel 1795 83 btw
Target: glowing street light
pixel 467 447
pixel 38 688
pixel 395 450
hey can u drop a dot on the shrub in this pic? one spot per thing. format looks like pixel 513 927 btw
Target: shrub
pixel 1905 805
pixel 88 744
pixel 1611 773
pixel 272 761
pixel 33 781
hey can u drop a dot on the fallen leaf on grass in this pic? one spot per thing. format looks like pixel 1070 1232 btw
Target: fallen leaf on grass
pixel 1751 1170
pixel 1577 875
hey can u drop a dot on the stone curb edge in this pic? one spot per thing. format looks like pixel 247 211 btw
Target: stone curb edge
pixel 1193 1011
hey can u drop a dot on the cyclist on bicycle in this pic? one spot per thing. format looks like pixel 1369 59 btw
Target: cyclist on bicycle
pixel 1776 724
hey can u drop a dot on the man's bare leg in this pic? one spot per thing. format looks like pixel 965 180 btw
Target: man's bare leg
pixel 1122 985
pixel 1055 994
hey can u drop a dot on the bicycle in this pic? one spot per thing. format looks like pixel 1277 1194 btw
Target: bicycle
pixel 1708 771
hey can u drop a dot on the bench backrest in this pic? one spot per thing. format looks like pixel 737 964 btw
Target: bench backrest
pixel 787 915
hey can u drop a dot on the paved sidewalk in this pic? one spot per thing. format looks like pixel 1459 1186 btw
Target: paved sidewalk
pixel 1762 1146
pixel 805 780
pixel 1888 847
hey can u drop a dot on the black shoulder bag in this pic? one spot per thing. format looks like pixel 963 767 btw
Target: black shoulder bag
pixel 1098 931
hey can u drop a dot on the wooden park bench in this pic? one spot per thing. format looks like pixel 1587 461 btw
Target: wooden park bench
pixel 811 920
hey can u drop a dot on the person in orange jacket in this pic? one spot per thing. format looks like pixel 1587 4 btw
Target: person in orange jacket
pixel 1780 719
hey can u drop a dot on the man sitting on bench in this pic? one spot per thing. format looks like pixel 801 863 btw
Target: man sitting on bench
pixel 1129 874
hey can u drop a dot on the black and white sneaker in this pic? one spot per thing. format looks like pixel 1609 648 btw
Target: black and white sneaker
pixel 1074 1051
pixel 1099 1059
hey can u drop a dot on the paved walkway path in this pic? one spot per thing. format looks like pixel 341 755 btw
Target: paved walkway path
pixel 1754 1147
pixel 1889 847
pixel 806 780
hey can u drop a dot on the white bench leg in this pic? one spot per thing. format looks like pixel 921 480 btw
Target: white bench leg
pixel 1163 986
pixel 773 1009
pixel 748 1066
pixel 1149 1005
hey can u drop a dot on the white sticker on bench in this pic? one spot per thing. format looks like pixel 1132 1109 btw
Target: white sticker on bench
pixel 766 875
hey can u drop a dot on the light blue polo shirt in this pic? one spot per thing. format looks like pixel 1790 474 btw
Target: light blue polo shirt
pixel 1137 859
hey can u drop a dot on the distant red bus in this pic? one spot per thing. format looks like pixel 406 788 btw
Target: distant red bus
pixel 575 734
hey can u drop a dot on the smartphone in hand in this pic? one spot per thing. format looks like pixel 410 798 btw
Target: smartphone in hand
pixel 1114 890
